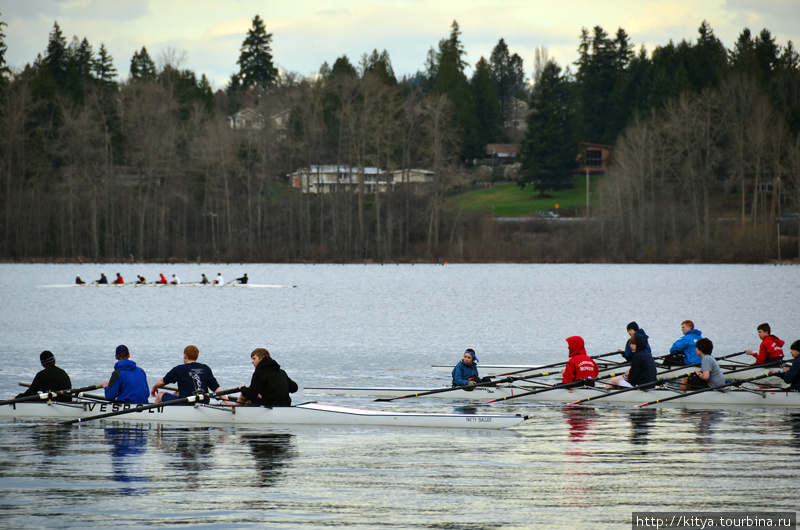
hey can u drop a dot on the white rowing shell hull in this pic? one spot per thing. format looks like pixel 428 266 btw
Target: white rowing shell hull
pixel 733 398
pixel 305 414
pixel 169 285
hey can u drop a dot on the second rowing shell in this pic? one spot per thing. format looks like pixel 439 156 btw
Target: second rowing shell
pixel 731 398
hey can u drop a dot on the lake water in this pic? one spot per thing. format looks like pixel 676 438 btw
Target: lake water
pixel 386 325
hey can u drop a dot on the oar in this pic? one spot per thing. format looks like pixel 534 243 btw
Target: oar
pixel 561 363
pixel 579 382
pixel 440 390
pixel 139 408
pixel 51 394
pixel 717 387
pixel 658 381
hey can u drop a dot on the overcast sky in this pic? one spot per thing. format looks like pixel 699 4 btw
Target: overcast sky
pixel 306 33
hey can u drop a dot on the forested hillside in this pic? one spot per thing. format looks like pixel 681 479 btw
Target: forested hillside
pixel 101 164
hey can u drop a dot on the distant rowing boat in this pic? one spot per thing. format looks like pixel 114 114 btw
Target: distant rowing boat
pixel 305 414
pixel 169 285
pixel 732 398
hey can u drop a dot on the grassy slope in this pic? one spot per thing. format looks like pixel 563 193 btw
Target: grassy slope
pixel 507 200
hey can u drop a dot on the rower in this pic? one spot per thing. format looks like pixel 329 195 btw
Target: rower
pixel 119 280
pixel 161 278
pixel 243 279
pixel 771 349
pixel 78 281
pixel 204 280
pixel 791 375
pixel 103 280
pixel 269 386
pixel 580 366
pixel 219 280
pixel 683 350
pixel 141 280
pixel 175 280
pixel 709 374
pixel 465 373
pixel 643 367
pixel 51 378
pixel 192 378
pixel 128 382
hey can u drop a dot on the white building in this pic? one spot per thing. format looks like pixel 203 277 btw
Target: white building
pixel 331 178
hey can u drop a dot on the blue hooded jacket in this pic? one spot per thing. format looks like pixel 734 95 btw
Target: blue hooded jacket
pixel 628 353
pixel 128 383
pixel 686 344
pixel 462 374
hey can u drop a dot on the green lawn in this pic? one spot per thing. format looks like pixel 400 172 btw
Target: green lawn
pixel 507 200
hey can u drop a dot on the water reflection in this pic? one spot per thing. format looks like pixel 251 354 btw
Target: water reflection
pixel 707 422
pixel 270 451
pixel 794 422
pixel 642 421
pixel 579 420
pixel 189 449
pixel 51 440
pixel 127 443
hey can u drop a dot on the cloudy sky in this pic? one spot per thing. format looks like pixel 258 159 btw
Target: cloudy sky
pixel 306 33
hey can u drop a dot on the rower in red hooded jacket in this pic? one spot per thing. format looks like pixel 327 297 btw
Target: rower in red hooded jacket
pixel 580 366
pixel 771 349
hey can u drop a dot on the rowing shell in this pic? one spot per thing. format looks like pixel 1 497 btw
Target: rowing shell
pixel 731 398
pixel 169 285
pixel 305 414
pixel 621 368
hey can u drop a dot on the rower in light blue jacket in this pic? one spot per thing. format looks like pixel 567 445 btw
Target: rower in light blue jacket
pixel 686 344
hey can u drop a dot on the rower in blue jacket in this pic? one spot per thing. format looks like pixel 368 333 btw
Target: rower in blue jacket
pixel 466 371
pixel 128 382
pixel 685 347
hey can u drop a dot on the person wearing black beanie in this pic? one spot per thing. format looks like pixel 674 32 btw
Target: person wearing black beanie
pixel 51 378
pixel 634 329
pixel 791 374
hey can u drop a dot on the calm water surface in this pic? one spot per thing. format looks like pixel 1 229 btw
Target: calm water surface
pixel 385 325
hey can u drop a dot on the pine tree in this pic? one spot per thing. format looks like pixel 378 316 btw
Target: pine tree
pixel 451 80
pixel 4 70
pixel 487 105
pixel 549 147
pixel 56 59
pixel 103 67
pixel 509 76
pixel 142 66
pixel 255 58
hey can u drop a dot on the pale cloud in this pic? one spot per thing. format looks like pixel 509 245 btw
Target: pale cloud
pixel 307 33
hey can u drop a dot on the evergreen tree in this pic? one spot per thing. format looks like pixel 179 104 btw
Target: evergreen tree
pixel 487 105
pixel 255 57
pixel 508 75
pixel 343 67
pixel 4 70
pixel 451 81
pixel 103 67
pixel 142 66
pixel 380 66
pixel 709 59
pixel 56 58
pixel 549 148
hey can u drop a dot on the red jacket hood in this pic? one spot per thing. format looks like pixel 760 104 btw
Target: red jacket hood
pixel 575 344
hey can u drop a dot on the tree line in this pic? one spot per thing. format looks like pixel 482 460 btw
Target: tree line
pixel 99 168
